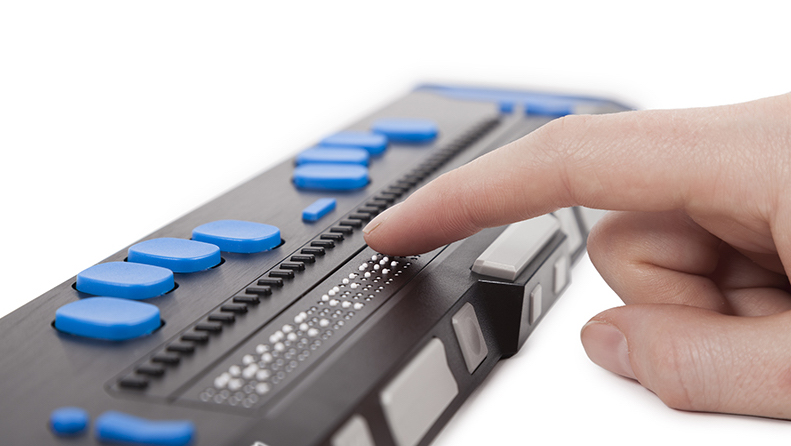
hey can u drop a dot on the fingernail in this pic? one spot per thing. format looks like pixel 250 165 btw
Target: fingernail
pixel 381 218
pixel 607 347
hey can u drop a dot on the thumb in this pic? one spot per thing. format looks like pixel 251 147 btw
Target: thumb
pixel 696 359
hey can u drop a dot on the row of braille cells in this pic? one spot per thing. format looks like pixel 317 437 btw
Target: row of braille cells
pixel 245 382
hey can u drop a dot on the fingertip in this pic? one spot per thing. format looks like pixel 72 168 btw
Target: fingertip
pixel 607 347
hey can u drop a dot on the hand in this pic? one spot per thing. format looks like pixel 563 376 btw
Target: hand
pixel 696 248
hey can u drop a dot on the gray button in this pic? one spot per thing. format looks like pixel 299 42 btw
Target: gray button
pixel 568 223
pixel 418 395
pixel 561 274
pixel 354 433
pixel 536 303
pixel 513 250
pixel 468 332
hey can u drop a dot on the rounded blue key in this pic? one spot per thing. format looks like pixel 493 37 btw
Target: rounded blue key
pixel 176 254
pixel 410 131
pixel 125 279
pixel 68 420
pixel 114 427
pixel 330 176
pixel 107 318
pixel 374 143
pixel 334 155
pixel 238 236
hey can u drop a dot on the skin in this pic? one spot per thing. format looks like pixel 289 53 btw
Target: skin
pixel 696 246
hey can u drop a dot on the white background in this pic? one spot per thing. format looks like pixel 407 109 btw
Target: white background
pixel 116 118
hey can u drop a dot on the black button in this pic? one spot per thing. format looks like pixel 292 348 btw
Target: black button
pixel 271 282
pixel 180 348
pixel 132 382
pixel 360 216
pixel 234 308
pixel 396 190
pixel 387 196
pixel 282 273
pixel 294 266
pixel 211 327
pixel 222 317
pixel 314 251
pixel 409 184
pixel 259 290
pixel 251 300
pixel 150 370
pixel 166 358
pixel 323 243
pixel 200 338
pixel 352 223
pixel 380 204
pixel 368 210
pixel 307 258
pixel 342 229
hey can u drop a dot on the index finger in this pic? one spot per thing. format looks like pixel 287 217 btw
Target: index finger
pixel 641 161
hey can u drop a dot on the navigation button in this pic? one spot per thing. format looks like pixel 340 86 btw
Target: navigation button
pixel 126 280
pixel 331 176
pixel 120 427
pixel 238 236
pixel 107 318
pixel 332 155
pixel 176 254
pixel 374 143
pixel 409 131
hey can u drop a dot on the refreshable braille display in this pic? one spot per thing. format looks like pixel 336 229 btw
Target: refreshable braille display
pixel 262 318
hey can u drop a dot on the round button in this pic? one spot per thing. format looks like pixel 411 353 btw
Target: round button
pixel 68 420
pixel 334 155
pixel 409 131
pixel 238 236
pixel 374 143
pixel 176 254
pixel 330 176
pixel 107 318
pixel 125 279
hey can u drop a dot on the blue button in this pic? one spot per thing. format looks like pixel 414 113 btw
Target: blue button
pixel 119 427
pixel 68 420
pixel 406 130
pixel 176 254
pixel 125 279
pixel 107 318
pixel 374 143
pixel 318 209
pixel 549 107
pixel 339 155
pixel 331 176
pixel 238 236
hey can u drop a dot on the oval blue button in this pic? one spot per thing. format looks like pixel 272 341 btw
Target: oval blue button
pixel 68 420
pixel 339 155
pixel 406 130
pixel 238 236
pixel 331 176
pixel 125 279
pixel 374 143
pixel 176 254
pixel 107 318
pixel 119 427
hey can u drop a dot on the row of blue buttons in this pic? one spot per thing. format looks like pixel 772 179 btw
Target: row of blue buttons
pixel 149 273
pixel 119 427
pixel 340 161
